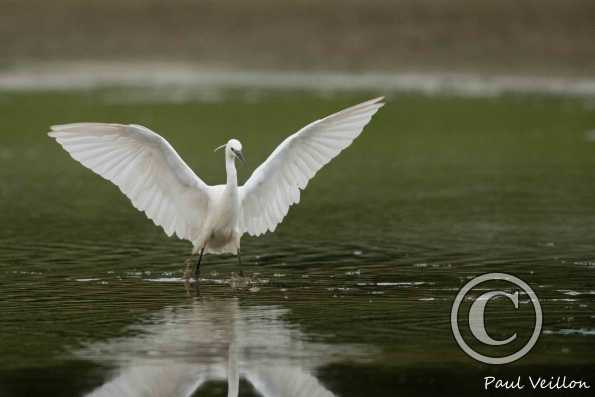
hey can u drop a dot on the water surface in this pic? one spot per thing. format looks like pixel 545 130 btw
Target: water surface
pixel 351 296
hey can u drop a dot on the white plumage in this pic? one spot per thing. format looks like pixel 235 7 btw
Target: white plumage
pixel 152 175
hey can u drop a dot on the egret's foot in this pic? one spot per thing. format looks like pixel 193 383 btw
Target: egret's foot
pixel 239 280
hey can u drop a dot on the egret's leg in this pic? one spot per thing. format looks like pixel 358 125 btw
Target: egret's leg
pixel 189 268
pixel 197 268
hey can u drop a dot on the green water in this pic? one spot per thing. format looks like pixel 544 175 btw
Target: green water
pixel 351 295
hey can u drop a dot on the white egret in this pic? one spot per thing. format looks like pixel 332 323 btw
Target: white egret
pixel 148 170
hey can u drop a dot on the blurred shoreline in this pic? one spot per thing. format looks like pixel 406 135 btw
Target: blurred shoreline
pixel 193 77
pixel 546 38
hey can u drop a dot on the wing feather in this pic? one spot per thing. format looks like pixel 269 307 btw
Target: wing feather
pixel 145 167
pixel 275 185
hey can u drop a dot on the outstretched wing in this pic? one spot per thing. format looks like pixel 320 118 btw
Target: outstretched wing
pixel 275 185
pixel 145 167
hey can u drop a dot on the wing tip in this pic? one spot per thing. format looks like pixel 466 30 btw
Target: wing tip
pixel 378 102
pixel 60 127
pixel 56 129
pixel 370 105
pixel 69 126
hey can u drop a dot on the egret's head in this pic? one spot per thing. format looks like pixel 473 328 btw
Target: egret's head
pixel 233 148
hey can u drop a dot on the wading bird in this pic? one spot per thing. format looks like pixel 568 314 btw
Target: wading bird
pixel 152 175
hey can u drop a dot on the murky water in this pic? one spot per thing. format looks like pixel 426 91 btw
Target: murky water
pixel 350 297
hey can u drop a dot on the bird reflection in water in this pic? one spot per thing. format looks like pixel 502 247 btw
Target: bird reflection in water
pixel 179 349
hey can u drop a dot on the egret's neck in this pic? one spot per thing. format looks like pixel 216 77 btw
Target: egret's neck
pixel 230 168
